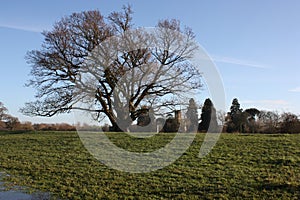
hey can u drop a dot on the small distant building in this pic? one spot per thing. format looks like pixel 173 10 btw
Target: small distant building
pixel 172 124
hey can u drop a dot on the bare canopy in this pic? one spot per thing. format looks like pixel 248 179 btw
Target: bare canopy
pixel 111 69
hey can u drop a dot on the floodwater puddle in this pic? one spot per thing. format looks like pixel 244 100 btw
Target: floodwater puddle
pixel 18 193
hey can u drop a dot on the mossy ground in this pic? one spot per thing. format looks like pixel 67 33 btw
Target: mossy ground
pixel 239 167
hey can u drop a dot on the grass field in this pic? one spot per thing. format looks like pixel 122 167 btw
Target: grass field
pixel 239 167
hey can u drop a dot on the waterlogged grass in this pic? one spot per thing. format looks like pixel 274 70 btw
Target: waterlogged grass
pixel 239 167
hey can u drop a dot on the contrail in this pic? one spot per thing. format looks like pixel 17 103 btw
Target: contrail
pixel 235 61
pixel 215 58
pixel 22 28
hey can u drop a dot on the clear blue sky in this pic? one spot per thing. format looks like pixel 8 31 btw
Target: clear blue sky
pixel 255 44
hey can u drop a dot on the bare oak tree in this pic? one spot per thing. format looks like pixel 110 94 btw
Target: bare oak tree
pixel 3 112
pixel 6 120
pixel 109 68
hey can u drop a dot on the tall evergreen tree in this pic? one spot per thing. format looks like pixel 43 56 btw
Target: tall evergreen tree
pixel 208 117
pixel 235 108
pixel 237 120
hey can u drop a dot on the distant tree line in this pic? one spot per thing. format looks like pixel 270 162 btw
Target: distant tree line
pixel 252 120
pixel 10 123
pixel 237 120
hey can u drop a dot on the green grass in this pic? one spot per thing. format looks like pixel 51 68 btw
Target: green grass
pixel 239 167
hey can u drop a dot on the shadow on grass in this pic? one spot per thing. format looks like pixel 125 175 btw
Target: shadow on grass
pixel 15 132
pixel 283 187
